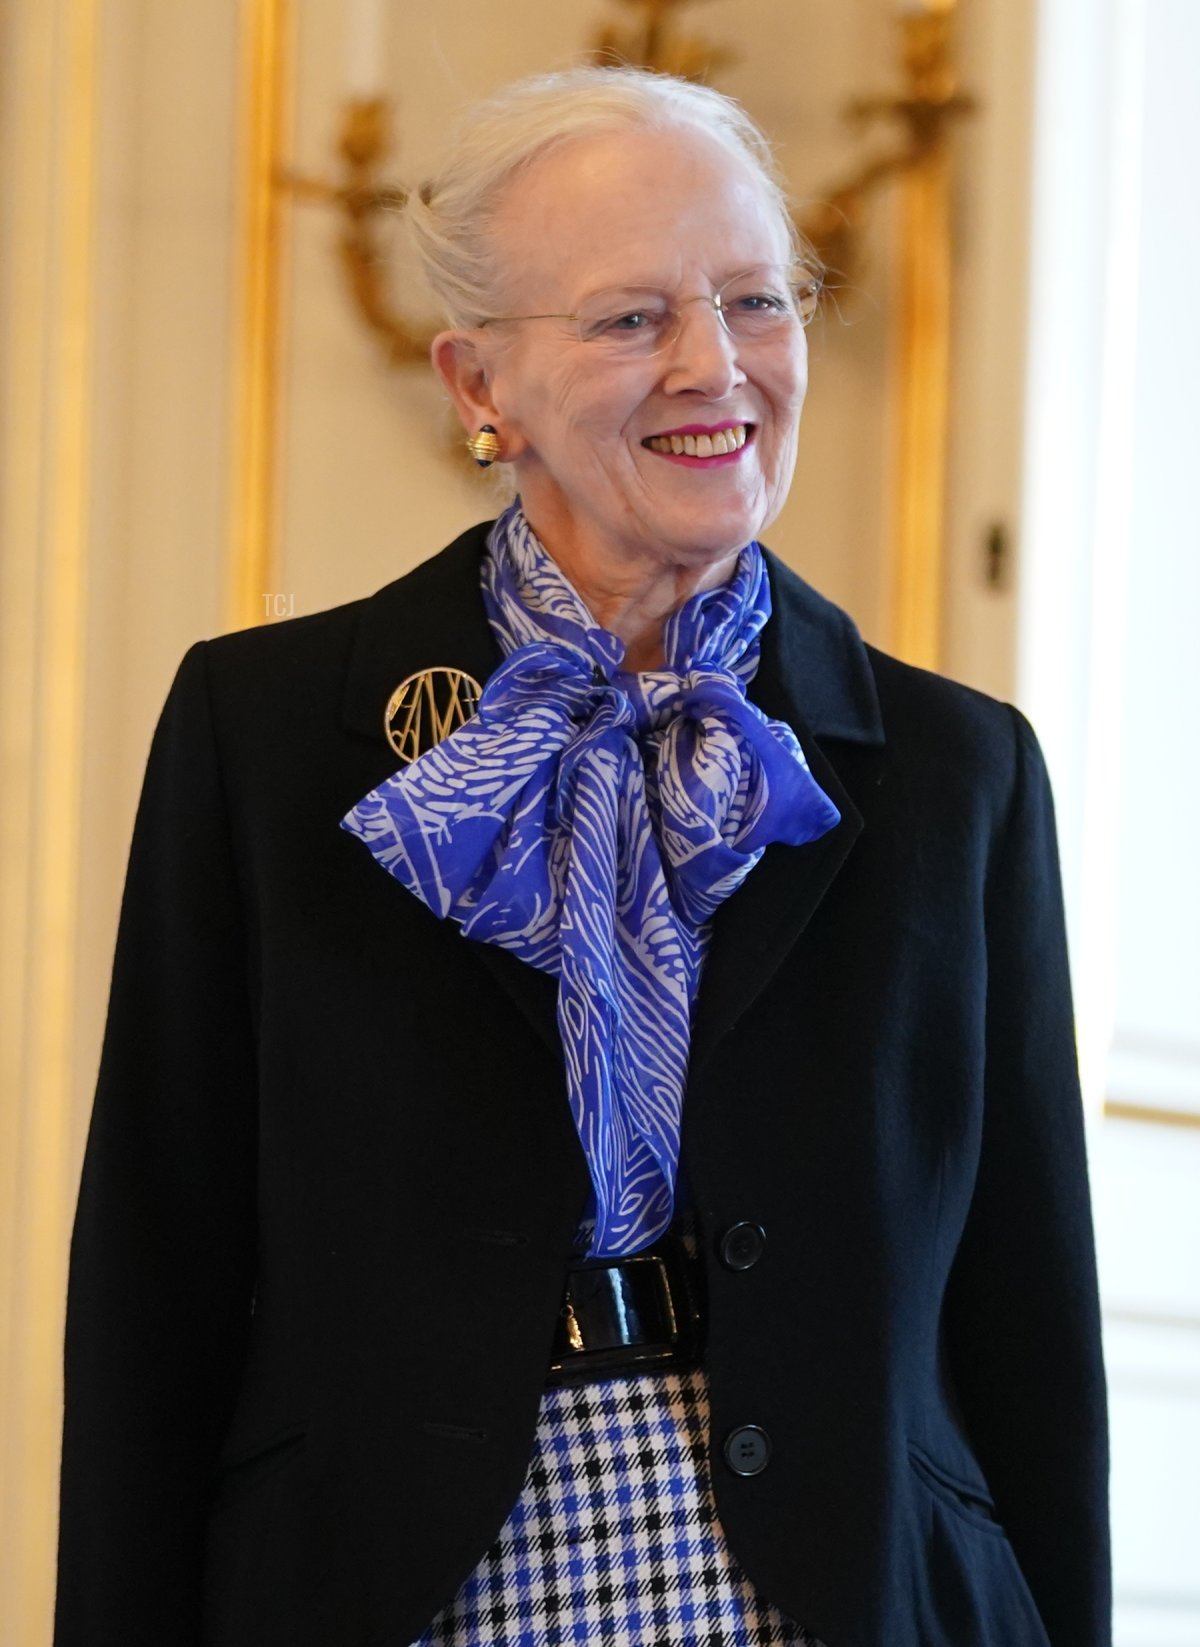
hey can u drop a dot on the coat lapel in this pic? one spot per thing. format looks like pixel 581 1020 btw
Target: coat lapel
pixel 434 615
pixel 431 617
pixel 814 674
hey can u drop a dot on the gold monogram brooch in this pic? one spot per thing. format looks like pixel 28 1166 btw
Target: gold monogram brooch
pixel 427 707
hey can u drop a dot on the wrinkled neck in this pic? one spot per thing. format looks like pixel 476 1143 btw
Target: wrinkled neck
pixel 633 597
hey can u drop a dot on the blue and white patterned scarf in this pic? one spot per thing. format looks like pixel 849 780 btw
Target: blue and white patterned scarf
pixel 591 821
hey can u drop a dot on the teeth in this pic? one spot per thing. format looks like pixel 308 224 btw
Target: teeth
pixel 717 445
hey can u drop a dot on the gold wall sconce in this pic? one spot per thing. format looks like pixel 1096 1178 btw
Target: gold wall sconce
pixel 918 165
pixel 653 40
pixel 924 111
pixel 364 144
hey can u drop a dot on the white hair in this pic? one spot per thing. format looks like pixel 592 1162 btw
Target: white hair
pixel 453 214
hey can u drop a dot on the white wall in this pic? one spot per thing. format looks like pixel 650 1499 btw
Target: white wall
pixel 1111 673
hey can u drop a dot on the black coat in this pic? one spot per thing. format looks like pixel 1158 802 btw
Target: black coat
pixel 331 1177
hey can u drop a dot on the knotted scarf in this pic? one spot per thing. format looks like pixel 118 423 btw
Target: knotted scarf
pixel 591 820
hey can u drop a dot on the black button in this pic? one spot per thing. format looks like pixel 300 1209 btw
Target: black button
pixel 741 1246
pixel 747 1449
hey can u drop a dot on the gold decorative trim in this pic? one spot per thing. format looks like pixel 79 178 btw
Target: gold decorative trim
pixel 267 58
pixel 923 358
pixel 1117 1110
pixel 932 102
pixel 653 41
pixel 1153 1318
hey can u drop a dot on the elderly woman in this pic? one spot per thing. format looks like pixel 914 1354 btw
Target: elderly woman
pixel 654 1209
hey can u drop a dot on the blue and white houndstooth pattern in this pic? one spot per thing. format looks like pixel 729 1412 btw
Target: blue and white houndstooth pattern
pixel 615 1536
pixel 591 821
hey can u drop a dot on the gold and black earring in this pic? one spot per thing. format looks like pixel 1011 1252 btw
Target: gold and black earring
pixel 485 446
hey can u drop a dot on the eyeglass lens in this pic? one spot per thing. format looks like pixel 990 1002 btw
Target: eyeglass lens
pixel 761 304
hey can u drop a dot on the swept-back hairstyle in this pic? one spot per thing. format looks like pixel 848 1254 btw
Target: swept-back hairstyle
pixel 452 215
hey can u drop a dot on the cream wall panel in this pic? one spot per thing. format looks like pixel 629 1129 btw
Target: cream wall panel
pixel 46 233
pixel 159 414
pixel 991 302
pixel 114 295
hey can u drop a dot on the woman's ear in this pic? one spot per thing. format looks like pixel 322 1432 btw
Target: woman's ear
pixel 457 361
pixel 462 366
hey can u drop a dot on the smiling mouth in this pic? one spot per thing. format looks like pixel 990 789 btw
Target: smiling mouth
pixel 716 443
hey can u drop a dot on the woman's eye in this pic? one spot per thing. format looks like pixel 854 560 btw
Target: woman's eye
pixel 623 323
pixel 761 303
pixel 637 320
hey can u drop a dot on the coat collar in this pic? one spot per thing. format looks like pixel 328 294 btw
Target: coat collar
pixel 814 674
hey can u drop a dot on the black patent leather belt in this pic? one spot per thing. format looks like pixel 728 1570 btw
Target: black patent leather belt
pixel 621 1316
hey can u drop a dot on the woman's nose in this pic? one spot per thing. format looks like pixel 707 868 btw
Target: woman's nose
pixel 703 353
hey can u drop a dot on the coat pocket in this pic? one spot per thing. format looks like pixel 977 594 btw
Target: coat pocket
pixel 970 1501
pixel 241 1476
pixel 968 1587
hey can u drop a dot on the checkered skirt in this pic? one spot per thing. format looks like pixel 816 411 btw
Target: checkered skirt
pixel 615 1534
